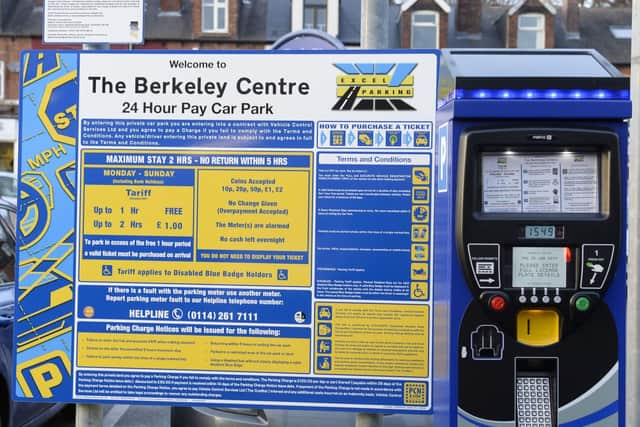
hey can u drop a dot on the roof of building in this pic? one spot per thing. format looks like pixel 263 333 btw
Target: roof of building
pixel 595 33
pixel 489 36
pixel 518 5
pixel 21 18
pixel 267 20
pixel 442 4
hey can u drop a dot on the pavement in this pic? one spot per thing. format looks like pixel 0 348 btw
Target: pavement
pixel 160 416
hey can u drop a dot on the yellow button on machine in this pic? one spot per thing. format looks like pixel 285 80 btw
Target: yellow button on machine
pixel 538 328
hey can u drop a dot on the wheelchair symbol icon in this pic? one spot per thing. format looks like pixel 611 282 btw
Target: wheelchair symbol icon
pixel 283 274
pixel 107 270
pixel 419 290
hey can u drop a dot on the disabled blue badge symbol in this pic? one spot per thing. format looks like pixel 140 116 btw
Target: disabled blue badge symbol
pixel 107 270
pixel 283 274
pixel 417 291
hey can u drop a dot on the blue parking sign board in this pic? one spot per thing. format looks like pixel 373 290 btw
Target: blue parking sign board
pixel 203 224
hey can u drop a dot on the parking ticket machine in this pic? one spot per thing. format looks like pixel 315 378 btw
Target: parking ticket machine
pixel 532 166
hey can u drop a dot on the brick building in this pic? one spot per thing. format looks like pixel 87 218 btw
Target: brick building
pixel 257 24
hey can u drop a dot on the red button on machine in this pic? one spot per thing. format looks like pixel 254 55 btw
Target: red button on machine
pixel 497 303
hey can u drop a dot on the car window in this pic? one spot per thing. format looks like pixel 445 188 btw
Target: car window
pixel 7 249
pixel 8 186
pixel 8 215
pixel 12 218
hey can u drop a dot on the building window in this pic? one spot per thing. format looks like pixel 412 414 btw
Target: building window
pixel 531 31
pixel 621 32
pixel 321 15
pixel 424 30
pixel 215 16
pixel 170 8
pixel 315 15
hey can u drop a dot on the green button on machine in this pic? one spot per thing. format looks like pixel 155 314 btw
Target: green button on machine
pixel 583 304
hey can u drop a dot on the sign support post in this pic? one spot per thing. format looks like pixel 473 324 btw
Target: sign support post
pixel 373 35
pixel 369 420
pixel 89 414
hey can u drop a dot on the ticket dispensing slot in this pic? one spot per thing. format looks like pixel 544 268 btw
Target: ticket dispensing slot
pixel 538 227
pixel 536 392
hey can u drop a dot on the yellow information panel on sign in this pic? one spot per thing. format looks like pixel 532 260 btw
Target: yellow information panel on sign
pixel 265 212
pixel 372 339
pixel 210 217
pixel 181 352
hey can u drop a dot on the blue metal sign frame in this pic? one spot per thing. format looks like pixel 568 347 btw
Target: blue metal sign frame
pixel 284 259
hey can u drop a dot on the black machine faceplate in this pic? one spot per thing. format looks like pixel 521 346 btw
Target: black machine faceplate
pixel 486 384
pixel 485 240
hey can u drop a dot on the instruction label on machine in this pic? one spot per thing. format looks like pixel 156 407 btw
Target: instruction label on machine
pixel 538 183
pixel 227 229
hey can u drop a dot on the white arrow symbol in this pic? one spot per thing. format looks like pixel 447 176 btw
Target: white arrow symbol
pixel 489 280
pixel 596 268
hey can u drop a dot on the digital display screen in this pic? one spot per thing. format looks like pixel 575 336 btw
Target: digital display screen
pixel 563 182
pixel 543 232
pixel 544 267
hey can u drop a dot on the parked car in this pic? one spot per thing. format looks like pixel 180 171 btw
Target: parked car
pixel 14 414
pixel 9 187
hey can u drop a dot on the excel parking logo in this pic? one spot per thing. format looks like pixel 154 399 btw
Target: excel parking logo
pixel 368 87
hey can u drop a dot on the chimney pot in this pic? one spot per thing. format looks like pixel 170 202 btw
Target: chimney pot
pixel 468 16
pixel 571 11
pixel 170 5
